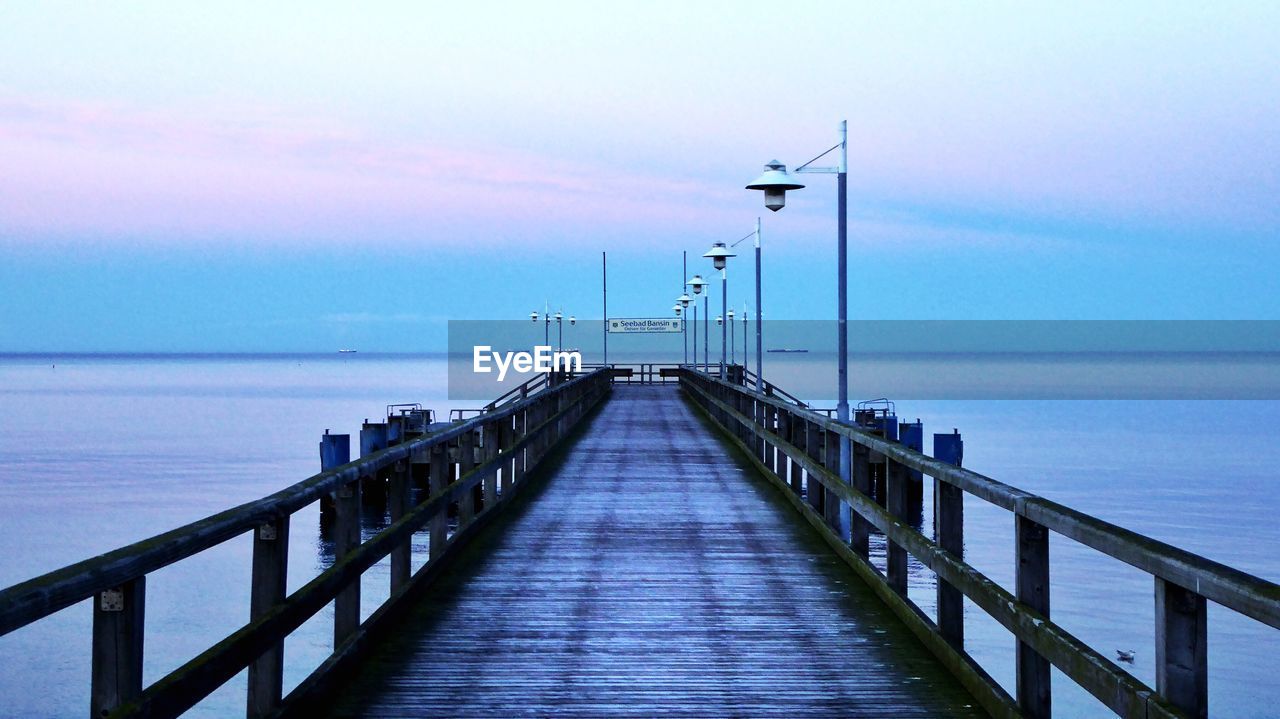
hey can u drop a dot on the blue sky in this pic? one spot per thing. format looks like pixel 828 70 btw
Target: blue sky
pixel 304 176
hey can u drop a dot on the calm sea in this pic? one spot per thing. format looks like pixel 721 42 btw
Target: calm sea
pixel 99 451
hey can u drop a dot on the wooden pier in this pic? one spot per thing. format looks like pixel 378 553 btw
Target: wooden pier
pixel 638 543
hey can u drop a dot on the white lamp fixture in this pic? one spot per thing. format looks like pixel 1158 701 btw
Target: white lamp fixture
pixel 775 182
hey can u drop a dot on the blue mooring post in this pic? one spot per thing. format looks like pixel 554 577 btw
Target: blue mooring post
pixel 374 437
pixel 335 451
pixel 948 527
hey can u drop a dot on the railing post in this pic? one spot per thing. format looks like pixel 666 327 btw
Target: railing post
pixel 796 427
pixel 520 460
pixel 506 438
pixel 1034 692
pixel 813 448
pixel 466 461
pixel 948 523
pixel 860 528
pixel 490 453
pixel 437 480
pixel 1182 659
pixel 763 422
pixel 119 616
pixel 346 538
pixel 831 460
pixel 270 570
pixel 895 485
pixel 398 505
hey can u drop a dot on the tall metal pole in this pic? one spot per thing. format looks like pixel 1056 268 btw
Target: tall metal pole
pixel 842 321
pixel 604 293
pixel 684 267
pixel 560 333
pixel 733 341
pixel 694 305
pixel 745 357
pixel 706 332
pixel 759 319
pixel 724 313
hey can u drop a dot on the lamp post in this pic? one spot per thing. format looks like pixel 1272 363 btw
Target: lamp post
pixel 720 255
pixel 744 343
pixel 775 182
pixel 684 301
pixel 697 283
pixel 732 337
pixel 546 326
pixel 759 325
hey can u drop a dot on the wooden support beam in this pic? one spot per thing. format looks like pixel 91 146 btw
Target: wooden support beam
pixel 813 448
pixel 119 617
pixel 1034 690
pixel 397 505
pixel 831 460
pixel 795 427
pixel 489 450
pixel 896 502
pixel 346 538
pixel 437 480
pixel 466 461
pixel 860 528
pixel 270 572
pixel 948 524
pixel 1182 655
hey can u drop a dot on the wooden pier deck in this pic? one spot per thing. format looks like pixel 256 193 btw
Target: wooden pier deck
pixel 651 573
pixel 685 546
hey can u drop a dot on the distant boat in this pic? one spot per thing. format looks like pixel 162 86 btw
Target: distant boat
pixel 346 352
pixel 785 349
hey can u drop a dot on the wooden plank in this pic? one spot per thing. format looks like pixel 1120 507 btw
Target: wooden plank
pixel 270 573
pixel 346 539
pixel 1032 581
pixel 896 504
pixel 1182 656
pixel 119 619
pixel 398 486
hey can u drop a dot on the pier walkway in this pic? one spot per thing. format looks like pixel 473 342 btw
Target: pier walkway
pixel 652 574
pixel 653 542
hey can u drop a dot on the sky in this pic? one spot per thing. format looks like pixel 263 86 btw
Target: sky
pixel 307 176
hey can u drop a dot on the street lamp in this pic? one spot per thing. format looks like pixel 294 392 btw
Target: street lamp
pixel 720 255
pixel 745 356
pixel 546 326
pixel 697 283
pixel 775 182
pixel 684 301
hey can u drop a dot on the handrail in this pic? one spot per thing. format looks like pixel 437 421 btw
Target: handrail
pixel 516 437
pixel 40 596
pixel 1177 571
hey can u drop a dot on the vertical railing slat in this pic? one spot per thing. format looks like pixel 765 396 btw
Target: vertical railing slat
pixel 119 618
pixel 1033 679
pixel 1182 661
pixel 270 572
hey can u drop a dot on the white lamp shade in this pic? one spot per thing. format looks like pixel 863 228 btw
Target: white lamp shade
pixel 775 182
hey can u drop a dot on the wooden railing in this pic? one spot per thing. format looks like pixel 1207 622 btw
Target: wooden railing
pixel 474 467
pixel 798 449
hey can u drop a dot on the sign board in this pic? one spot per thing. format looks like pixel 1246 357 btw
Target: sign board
pixel 645 326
